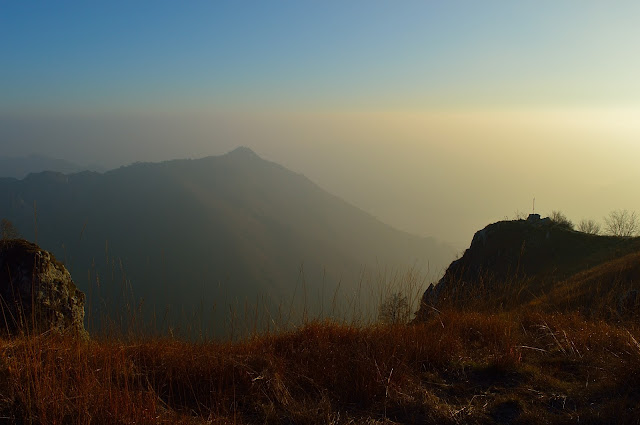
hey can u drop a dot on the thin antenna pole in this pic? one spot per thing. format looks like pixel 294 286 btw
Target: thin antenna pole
pixel 534 204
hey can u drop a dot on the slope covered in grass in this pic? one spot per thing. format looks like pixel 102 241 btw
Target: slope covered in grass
pixel 608 290
pixel 457 368
pixel 512 263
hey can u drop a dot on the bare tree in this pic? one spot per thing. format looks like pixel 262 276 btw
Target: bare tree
pixel 559 218
pixel 8 230
pixel 589 226
pixel 519 215
pixel 622 223
pixel 394 309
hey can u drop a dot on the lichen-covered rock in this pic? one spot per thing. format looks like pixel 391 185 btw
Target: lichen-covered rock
pixel 37 291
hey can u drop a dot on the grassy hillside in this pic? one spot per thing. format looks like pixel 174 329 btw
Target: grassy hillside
pixel 571 355
pixel 609 290
pixel 516 262
pixel 460 368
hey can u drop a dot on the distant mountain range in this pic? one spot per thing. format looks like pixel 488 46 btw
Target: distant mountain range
pixel 21 166
pixel 194 236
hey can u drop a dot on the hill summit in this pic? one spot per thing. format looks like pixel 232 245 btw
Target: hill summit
pixel 527 256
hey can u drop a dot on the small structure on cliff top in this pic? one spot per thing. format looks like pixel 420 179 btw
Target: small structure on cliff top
pixel 37 293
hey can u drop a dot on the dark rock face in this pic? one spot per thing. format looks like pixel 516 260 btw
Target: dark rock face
pixel 37 292
pixel 510 251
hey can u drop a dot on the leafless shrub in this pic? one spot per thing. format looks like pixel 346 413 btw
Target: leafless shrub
pixel 622 223
pixel 589 226
pixel 395 309
pixel 559 218
pixel 8 230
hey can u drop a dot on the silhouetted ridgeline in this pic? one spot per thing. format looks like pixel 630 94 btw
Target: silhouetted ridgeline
pixel 515 262
pixel 193 236
pixel 20 167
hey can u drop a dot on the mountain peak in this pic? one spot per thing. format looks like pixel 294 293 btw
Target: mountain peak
pixel 243 152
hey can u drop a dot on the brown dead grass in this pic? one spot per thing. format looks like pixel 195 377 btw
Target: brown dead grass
pixel 486 355
pixel 602 291
pixel 459 367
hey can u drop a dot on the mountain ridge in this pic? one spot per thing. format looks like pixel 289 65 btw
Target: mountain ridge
pixel 19 167
pixel 233 221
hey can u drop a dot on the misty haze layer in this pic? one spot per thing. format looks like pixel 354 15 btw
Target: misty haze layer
pixel 429 173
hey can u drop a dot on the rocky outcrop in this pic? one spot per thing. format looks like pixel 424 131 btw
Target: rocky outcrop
pixel 37 291
pixel 535 249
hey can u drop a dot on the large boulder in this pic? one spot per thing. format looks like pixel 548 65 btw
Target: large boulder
pixel 38 294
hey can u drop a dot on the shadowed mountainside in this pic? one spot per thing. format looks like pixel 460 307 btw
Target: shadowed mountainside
pixel 191 234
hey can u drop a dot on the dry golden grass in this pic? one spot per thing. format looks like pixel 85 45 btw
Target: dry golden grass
pixel 604 291
pixel 459 367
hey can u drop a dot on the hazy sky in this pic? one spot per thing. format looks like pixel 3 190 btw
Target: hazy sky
pixel 436 116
